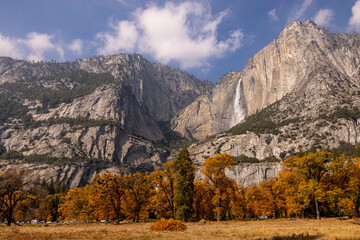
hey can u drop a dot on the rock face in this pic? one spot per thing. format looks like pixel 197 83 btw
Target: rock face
pixel 72 175
pixel 215 111
pixel 111 109
pixel 162 90
pixel 299 92
pixel 78 175
pixel 288 65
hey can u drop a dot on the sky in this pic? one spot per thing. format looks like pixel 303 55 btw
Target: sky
pixel 207 38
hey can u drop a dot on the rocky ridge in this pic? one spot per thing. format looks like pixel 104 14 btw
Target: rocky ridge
pixel 112 108
pixel 300 92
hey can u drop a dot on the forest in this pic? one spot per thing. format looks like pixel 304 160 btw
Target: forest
pixel 310 185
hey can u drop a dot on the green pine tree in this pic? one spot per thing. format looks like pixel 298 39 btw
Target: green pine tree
pixel 185 185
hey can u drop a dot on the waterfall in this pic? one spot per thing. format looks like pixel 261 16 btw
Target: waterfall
pixel 239 113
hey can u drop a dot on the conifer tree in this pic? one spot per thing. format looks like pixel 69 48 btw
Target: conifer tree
pixel 185 185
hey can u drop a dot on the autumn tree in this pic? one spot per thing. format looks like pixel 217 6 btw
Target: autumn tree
pixel 238 201
pixel 214 171
pixel 139 190
pixel 296 192
pixel 266 199
pixel 274 192
pixel 256 202
pixel 164 181
pixel 184 185
pixel 343 186
pixel 312 167
pixel 77 204
pixel 202 201
pixel 45 199
pixel 353 189
pixel 12 193
pixel 107 194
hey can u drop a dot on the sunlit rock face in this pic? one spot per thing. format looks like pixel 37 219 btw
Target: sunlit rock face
pixel 119 121
pixel 286 65
pixel 215 111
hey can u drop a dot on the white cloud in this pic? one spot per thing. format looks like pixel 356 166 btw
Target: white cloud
pixel 35 46
pixel 38 44
pixel 8 47
pixel 185 33
pixel 76 46
pixel 300 12
pixel 324 17
pixel 354 22
pixel 273 16
pixel 123 38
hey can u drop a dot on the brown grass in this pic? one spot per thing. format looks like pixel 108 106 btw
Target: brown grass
pixel 268 229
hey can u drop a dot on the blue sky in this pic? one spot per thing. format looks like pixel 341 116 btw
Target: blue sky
pixel 207 38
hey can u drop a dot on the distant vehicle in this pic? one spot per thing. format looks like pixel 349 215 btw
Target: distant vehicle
pixel 34 221
pixel 263 217
pixel 103 221
pixel 311 216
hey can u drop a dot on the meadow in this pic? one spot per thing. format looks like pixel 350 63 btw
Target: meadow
pixel 279 229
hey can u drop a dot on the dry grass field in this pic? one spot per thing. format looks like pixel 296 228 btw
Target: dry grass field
pixel 267 229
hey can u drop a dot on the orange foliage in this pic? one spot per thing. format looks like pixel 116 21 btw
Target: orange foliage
pixel 107 194
pixel 168 224
pixel 214 170
pixel 138 194
pixel 202 204
pixel 164 199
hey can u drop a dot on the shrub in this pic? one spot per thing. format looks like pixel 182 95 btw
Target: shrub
pixel 168 224
pixel 245 159
pixel 12 155
pixel 202 221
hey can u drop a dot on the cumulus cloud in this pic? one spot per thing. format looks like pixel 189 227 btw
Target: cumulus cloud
pixel 273 16
pixel 354 22
pixel 76 46
pixel 33 47
pixel 301 11
pixel 8 47
pixel 38 44
pixel 185 33
pixel 323 17
pixel 122 38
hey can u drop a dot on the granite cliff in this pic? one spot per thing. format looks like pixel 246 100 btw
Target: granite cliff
pixel 123 113
pixel 303 61
pixel 112 108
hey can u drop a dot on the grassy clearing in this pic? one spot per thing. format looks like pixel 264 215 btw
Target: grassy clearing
pixel 268 229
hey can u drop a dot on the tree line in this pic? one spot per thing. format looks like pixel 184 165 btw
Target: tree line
pixel 310 184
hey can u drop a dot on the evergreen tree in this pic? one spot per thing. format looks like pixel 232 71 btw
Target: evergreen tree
pixel 51 187
pixel 185 185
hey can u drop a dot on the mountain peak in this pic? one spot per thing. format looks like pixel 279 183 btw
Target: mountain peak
pixel 305 28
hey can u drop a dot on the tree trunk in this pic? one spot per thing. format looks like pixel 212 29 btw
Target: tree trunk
pixel 317 209
pixel 137 216
pixel 9 217
pixel 218 217
pixel 357 204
